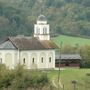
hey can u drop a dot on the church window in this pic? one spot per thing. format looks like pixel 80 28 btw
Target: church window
pixel 44 30
pixel 37 30
pixel 24 61
pixel 42 59
pixel 33 60
pixel 50 59
pixel 0 60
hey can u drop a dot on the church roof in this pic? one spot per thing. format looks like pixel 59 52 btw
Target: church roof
pixel 31 43
pixel 42 18
pixel 7 45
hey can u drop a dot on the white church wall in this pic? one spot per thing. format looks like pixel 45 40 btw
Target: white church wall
pixel 34 59
pixel 12 57
pixel 8 58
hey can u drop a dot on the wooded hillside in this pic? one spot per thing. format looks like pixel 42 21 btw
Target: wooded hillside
pixel 69 17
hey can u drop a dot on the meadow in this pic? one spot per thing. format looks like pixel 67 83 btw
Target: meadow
pixel 68 40
pixel 81 76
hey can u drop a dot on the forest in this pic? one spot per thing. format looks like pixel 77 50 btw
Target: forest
pixel 67 17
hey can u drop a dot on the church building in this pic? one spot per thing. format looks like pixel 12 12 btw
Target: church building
pixel 37 52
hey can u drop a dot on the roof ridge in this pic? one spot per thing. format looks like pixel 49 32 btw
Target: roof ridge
pixel 10 38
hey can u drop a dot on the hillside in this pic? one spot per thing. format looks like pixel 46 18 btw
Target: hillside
pixel 68 40
pixel 70 17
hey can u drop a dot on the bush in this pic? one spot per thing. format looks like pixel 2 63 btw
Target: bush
pixel 22 79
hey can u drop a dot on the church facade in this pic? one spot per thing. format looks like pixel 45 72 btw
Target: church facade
pixel 36 52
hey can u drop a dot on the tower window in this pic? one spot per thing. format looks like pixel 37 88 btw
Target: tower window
pixel 0 60
pixel 44 30
pixel 42 59
pixel 37 30
pixel 24 61
pixel 33 60
pixel 50 59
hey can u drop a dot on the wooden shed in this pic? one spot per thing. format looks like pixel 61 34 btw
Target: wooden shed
pixel 68 60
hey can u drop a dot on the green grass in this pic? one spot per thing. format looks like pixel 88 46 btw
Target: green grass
pixel 70 74
pixel 68 40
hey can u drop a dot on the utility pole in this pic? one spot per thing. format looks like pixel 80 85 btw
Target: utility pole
pixel 59 63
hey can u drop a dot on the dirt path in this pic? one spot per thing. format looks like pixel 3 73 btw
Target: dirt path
pixel 55 85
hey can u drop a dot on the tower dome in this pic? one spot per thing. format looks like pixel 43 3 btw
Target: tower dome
pixel 41 18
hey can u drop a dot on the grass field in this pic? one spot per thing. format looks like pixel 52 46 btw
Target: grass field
pixel 67 75
pixel 68 40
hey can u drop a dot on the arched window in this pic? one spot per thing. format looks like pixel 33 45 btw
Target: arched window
pixel 24 61
pixel 42 59
pixel 33 60
pixel 0 60
pixel 50 59
pixel 37 30
pixel 44 30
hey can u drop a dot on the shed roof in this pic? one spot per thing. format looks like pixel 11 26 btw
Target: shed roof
pixel 68 56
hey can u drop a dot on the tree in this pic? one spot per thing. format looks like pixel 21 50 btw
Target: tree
pixel 85 54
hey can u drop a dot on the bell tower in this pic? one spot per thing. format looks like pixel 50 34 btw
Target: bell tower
pixel 41 28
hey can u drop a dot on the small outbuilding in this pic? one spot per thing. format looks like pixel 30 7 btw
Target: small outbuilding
pixel 68 60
